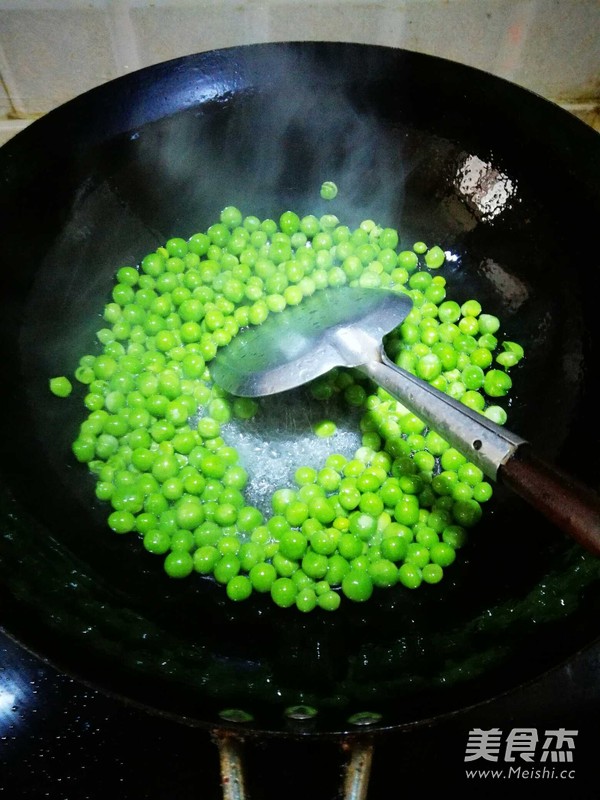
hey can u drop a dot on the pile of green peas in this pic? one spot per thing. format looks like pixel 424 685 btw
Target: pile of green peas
pixel 395 513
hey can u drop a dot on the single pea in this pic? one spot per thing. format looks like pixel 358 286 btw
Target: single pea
pixel 281 499
pixel 226 568
pixel 306 599
pixel 408 260
pixel 426 536
pixel 328 190
pixel 442 554
pixel 182 540
pixel 309 492
pixel 410 576
pixel 434 257
pixel 417 554
pixel 321 509
pixel 239 588
pixel 249 518
pixel 250 554
pixel 497 383
pixel 157 541
pixel 362 525
pixel 350 546
pixel 178 564
pixel 482 492
pixel 121 521
pixel 324 428
pixel 371 504
pixel 432 573
pixel 315 565
pixel 263 576
pixel 337 567
pixel 496 414
pixel 451 459
pixel 406 511
pixel 277 526
pixel 292 545
pixel 470 473
pixel 305 475
pixel 283 592
pixel 455 536
pixel 324 541
pixel 244 407
pixel 383 572
pixel 357 585
pixel 329 601
pixel 205 559
pixel 488 324
pixel 393 548
pixel 466 513
pixel 62 386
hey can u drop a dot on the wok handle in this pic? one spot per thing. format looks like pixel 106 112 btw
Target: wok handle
pixel 232 768
pixel 573 508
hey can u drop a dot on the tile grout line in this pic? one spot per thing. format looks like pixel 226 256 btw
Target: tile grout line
pixel 8 79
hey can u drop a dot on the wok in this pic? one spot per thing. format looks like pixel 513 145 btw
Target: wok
pixel 503 180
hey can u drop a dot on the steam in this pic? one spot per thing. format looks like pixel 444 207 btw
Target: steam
pixel 268 144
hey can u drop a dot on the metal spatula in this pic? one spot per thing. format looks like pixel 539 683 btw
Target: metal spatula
pixel 344 327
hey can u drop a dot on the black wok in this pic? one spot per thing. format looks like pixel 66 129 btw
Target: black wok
pixel 108 177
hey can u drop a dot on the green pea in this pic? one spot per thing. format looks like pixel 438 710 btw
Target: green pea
pixel 408 260
pixel 328 190
pixel 62 386
pixel 434 257
pixel 283 592
pixel 488 324
pixel 350 545
pixel 442 554
pixel 383 572
pixel 321 509
pixel 410 576
pixel 406 511
pixel 239 588
pixel 178 564
pixel 324 541
pixel 226 568
pixel 357 585
pixel 305 475
pixel 482 492
pixel 325 428
pixel 496 414
pixel 337 567
pixel 306 599
pixel 157 541
pixel 455 536
pixel 315 565
pixel 466 513
pixel 432 573
pixel 329 601
pixel 262 576
pixel 293 544
pixel 497 383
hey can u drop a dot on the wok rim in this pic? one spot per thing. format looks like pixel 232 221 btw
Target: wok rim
pixel 55 115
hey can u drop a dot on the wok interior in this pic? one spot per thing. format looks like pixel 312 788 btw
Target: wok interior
pixel 110 177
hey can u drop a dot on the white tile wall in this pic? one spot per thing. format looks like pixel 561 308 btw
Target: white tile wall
pixel 52 50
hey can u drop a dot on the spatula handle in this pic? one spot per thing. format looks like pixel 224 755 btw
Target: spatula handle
pixel 483 442
pixel 573 508
pixel 501 454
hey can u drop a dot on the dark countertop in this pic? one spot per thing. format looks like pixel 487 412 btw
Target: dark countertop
pixel 60 739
